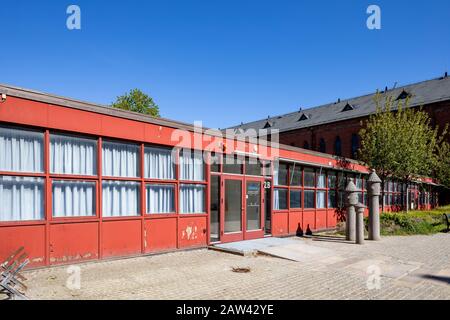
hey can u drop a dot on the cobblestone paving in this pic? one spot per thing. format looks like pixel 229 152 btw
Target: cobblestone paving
pixel 415 267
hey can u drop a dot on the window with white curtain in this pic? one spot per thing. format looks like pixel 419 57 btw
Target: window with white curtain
pixel 73 198
pixel 192 198
pixel 120 159
pixel 21 150
pixel 320 199
pixel 120 198
pixel 191 166
pixel 73 155
pixel 321 180
pixel 359 183
pixel 160 198
pixel 159 163
pixel 21 198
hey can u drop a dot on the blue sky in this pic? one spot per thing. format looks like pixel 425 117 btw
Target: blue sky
pixel 222 61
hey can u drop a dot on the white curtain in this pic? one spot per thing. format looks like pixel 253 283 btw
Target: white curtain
pixel 120 198
pixel 359 184
pixel 159 163
pixel 21 151
pixel 21 198
pixel 321 180
pixel 192 198
pixel 73 155
pixel 276 170
pixel 320 199
pixel 160 198
pixel 276 199
pixel 120 159
pixel 191 166
pixel 73 198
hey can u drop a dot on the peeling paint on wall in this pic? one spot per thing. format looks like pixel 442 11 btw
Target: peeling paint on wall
pixel 78 257
pixel 190 233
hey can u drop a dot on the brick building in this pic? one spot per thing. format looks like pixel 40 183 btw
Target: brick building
pixel 333 128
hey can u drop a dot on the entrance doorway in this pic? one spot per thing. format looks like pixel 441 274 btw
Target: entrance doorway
pixel 237 208
pixel 254 227
pixel 231 225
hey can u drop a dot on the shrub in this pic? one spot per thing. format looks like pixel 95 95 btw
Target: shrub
pixel 413 222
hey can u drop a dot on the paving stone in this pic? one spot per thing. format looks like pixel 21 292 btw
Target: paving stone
pixel 206 274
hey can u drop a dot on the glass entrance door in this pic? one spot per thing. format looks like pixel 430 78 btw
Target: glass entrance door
pixel 253 213
pixel 253 202
pixel 214 227
pixel 232 220
pixel 242 205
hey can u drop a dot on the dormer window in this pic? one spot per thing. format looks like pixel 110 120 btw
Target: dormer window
pixel 403 95
pixel 348 107
pixel 303 117
pixel 267 125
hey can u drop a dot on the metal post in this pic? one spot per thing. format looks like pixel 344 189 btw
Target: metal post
pixel 374 185
pixel 360 223
pixel 352 200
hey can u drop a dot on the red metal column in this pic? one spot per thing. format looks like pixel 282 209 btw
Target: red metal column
pixel 177 193
pixel 208 195
pixel 315 198
pixel 327 190
pixel 99 196
pixel 302 201
pixel 143 197
pixel 47 197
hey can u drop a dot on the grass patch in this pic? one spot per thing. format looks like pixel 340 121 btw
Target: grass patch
pixel 404 223
pixel 413 222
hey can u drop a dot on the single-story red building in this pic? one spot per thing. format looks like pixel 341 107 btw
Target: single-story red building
pixel 81 182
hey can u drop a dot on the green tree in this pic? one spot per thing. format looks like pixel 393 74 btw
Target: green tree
pixel 398 141
pixel 443 164
pixel 137 101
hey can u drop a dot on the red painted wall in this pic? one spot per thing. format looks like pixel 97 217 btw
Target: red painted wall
pixel 280 223
pixel 121 238
pixel 73 242
pixel 161 234
pixel 192 232
pixel 30 237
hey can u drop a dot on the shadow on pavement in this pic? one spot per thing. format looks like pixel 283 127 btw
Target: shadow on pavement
pixel 436 278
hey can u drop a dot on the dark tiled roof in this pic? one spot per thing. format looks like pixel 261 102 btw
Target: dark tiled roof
pixel 421 93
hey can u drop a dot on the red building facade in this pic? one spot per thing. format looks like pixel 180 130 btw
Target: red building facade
pixel 84 182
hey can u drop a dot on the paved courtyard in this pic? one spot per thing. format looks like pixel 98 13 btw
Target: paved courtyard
pixel 416 267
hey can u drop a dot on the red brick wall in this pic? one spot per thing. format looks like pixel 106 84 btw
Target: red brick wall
pixel 439 113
